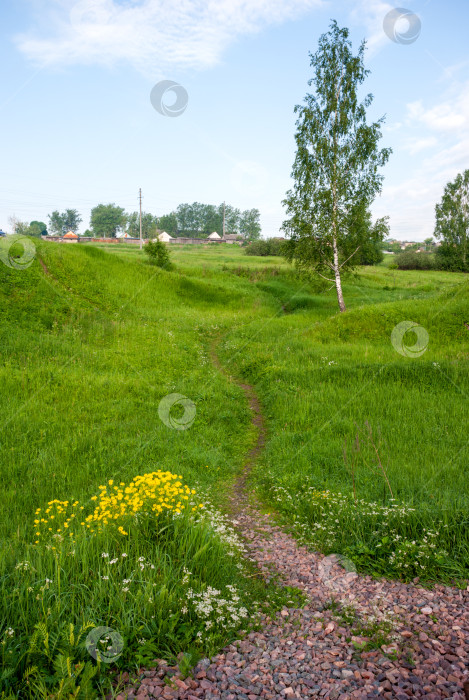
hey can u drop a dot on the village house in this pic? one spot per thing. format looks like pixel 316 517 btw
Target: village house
pixel 126 236
pixel 232 238
pixel 70 237
pixel 165 237
pixel 212 238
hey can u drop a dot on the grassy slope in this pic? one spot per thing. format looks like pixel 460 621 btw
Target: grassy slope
pixel 323 375
pixel 88 352
pixel 90 349
pixel 418 407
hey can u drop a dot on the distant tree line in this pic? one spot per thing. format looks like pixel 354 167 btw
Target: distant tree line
pixel 188 220
pixel 59 223
pixel 200 220
pixel 21 228
pixel 451 227
pixel 370 252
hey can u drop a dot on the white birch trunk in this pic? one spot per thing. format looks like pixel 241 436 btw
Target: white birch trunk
pixel 338 281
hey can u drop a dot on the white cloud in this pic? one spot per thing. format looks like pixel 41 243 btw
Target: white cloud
pixel 449 161
pixel 443 117
pixel 150 34
pixel 447 123
pixel 371 13
pixel 442 129
pixel 421 144
pixel 392 127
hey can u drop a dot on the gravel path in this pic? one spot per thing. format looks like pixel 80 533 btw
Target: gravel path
pixel 313 652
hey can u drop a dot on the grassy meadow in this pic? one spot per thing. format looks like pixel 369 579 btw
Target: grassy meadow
pixel 356 429
pixel 94 338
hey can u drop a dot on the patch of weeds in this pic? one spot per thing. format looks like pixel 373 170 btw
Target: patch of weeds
pixel 392 655
pixel 279 597
pixel 187 661
pixel 332 605
pixel 409 659
pixel 348 615
pixel 146 653
pixel 359 646
pixel 376 630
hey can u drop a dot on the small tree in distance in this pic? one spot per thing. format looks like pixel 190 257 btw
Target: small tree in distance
pixel 452 223
pixel 335 171
pixel 158 254
pixel 21 228
pixel 106 220
pixel 168 223
pixel 148 224
pixel 250 224
pixel 61 222
pixel 17 227
pixel 38 228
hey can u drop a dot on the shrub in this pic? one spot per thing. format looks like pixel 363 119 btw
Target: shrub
pixel 270 246
pixel 158 254
pixel 410 260
pixel 449 257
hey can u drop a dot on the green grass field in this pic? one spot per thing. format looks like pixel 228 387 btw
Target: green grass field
pixel 94 338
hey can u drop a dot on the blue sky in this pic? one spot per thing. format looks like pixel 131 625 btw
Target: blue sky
pixel 78 128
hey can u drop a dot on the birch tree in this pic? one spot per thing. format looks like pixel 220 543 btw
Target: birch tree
pixel 452 217
pixel 336 168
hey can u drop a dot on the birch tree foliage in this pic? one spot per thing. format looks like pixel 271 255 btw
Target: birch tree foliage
pixel 336 168
pixel 452 217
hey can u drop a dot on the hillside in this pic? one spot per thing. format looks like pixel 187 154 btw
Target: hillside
pixel 95 340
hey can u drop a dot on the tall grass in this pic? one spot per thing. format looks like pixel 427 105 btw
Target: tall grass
pixel 323 375
pixel 89 350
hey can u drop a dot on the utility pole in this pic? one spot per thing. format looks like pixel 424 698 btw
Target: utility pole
pixel 140 198
pixel 223 219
